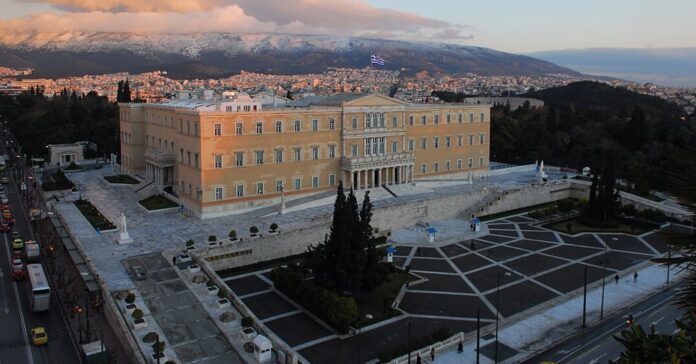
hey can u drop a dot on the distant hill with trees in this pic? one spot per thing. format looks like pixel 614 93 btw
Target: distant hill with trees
pixel 581 123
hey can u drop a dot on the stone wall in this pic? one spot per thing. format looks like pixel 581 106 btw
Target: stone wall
pixel 486 201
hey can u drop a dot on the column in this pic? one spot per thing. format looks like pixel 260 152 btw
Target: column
pixel 357 179
pixel 410 173
pixel 366 175
pixel 393 175
pixel 379 177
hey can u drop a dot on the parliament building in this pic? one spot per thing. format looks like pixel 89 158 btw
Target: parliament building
pixel 225 154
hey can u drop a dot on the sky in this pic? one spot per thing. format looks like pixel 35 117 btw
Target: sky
pixel 519 26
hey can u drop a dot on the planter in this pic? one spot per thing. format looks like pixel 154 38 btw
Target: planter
pixel 189 248
pixel 194 268
pixel 224 303
pixel 213 290
pixel 130 308
pixel 248 333
pixel 141 324
pixel 162 358
pixel 233 240
pixel 183 258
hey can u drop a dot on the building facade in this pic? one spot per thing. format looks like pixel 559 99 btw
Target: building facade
pixel 219 156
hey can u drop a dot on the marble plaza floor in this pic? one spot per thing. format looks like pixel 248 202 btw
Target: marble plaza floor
pixel 462 271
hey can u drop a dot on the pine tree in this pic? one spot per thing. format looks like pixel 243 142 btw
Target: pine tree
pixel 370 250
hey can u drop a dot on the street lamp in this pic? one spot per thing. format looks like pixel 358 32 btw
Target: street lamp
pixel 604 274
pixel 497 314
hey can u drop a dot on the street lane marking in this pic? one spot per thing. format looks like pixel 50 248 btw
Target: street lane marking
pixel 21 311
pixel 596 360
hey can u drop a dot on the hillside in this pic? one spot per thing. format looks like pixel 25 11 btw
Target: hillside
pixel 590 123
pixel 222 54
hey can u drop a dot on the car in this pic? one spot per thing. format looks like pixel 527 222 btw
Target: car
pixel 17 269
pixel 3 198
pixel 4 180
pixel 139 272
pixel 3 190
pixel 39 336
pixel 16 235
pixel 5 227
pixel 18 244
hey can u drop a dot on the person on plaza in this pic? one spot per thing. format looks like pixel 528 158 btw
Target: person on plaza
pixel 174 260
pixel 418 359
pixel 460 346
pixel 432 354
pixel 635 277
pixel 616 278
pixel 472 246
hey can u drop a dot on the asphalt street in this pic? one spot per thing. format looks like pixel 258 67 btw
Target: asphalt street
pixel 17 319
pixel 597 344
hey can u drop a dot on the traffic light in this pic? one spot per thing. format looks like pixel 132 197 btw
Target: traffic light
pixel 78 309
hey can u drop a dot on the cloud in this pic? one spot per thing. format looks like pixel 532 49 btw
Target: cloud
pixel 336 17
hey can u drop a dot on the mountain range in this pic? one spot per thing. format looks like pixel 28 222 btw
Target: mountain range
pixel 216 55
pixel 664 66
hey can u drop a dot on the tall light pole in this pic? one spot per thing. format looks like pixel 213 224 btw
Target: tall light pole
pixel 584 300
pixel 604 275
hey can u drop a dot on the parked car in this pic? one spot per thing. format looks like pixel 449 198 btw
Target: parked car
pixel 7 217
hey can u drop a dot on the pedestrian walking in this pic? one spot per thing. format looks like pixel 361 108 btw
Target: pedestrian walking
pixel 616 278
pixel 432 355
pixel 471 245
pixel 460 347
pixel 635 277
pixel 418 359
pixel 174 260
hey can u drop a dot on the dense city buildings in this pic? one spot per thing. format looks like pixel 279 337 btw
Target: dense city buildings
pixel 231 153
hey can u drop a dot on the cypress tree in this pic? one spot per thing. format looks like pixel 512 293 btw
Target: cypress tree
pixel 119 92
pixel 126 92
pixel 369 250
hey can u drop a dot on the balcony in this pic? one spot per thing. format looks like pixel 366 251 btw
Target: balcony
pixel 160 157
pixel 377 161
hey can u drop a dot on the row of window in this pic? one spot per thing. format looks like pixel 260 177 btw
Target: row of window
pixel 438 142
pixel 448 165
pixel 372 120
pixel 279 156
pixel 279 127
pixel 240 190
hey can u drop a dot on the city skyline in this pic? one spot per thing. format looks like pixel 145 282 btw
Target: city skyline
pixel 616 24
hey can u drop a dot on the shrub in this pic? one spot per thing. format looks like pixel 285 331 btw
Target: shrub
pixel 222 293
pixel 233 234
pixel 212 238
pixel 247 321
pixel 158 346
pixel 566 205
pixel 629 210
pixel 209 283
pixel 254 230
pixel 150 337
pixel 274 227
pixel 137 314
pixel 337 311
pixel 653 215
pixel 130 298
pixel 189 242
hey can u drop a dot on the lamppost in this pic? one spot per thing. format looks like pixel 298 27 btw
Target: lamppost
pixel 367 317
pixel 78 311
pixel 478 335
pixel 604 274
pixel 409 341
pixel 497 315
pixel 584 299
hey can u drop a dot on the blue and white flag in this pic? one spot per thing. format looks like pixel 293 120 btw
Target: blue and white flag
pixel 375 59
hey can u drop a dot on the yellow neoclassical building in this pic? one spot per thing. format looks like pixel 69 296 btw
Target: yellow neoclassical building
pixel 222 155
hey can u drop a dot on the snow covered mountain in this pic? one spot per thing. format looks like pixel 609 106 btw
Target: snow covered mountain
pixel 222 54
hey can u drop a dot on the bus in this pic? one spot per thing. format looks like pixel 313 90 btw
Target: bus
pixel 39 292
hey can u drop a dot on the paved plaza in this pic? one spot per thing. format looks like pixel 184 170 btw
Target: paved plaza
pixel 530 265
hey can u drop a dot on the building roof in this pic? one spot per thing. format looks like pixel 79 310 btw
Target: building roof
pixel 332 100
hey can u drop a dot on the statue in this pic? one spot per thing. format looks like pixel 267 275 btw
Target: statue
pixel 123 236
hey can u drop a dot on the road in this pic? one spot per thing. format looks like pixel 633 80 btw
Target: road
pixel 597 344
pixel 17 320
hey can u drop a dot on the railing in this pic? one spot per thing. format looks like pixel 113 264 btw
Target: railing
pixel 376 160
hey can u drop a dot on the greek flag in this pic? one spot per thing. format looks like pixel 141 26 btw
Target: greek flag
pixel 375 59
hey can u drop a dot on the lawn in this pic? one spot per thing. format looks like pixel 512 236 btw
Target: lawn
pixel 378 303
pixel 58 181
pixel 122 178
pixel 577 227
pixel 157 202
pixel 93 215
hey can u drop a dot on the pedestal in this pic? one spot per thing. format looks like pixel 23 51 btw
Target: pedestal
pixel 124 238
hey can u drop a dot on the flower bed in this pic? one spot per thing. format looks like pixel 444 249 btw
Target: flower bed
pixel 93 215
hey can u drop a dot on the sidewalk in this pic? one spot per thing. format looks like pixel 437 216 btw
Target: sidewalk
pixel 543 329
